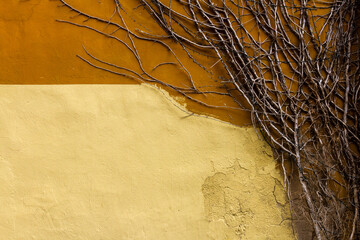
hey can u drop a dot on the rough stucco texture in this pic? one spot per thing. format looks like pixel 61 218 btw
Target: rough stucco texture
pixel 123 162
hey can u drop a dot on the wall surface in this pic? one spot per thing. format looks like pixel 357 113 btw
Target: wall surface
pixel 98 161
pixel 36 49
pixel 123 162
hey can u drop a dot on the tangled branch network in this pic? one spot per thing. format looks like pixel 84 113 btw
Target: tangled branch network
pixel 296 65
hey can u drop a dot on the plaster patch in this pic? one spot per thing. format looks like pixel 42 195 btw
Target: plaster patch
pixel 237 208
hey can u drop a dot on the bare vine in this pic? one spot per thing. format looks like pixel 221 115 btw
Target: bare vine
pixel 295 62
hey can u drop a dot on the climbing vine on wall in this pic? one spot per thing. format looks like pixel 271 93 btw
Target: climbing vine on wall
pixel 293 64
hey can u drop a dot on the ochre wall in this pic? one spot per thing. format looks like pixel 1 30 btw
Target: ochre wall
pixel 35 49
pixel 124 162
pixel 80 161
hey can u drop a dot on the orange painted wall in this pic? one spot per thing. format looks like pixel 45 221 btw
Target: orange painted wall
pixel 36 49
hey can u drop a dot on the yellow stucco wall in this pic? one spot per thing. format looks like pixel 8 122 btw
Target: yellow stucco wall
pixel 123 162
